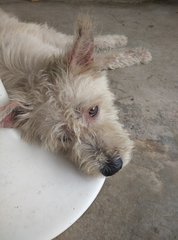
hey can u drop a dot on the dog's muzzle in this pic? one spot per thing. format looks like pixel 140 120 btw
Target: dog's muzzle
pixel 112 166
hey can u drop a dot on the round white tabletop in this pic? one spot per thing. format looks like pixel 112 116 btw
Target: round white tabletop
pixel 41 194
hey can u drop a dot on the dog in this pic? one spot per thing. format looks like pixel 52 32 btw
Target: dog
pixel 59 91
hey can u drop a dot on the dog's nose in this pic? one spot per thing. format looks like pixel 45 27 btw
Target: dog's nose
pixel 112 166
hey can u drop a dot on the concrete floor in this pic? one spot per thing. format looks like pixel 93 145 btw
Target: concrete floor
pixel 141 202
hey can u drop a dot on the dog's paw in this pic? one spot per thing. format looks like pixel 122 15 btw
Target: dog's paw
pixel 144 55
pixel 120 40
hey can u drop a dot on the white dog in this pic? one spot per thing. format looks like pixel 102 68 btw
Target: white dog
pixel 59 94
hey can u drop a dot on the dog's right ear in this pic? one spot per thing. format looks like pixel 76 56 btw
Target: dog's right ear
pixel 12 115
pixel 81 54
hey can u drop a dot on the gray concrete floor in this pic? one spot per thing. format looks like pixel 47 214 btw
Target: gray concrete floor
pixel 141 202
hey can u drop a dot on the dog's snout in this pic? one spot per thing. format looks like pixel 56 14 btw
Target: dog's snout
pixel 112 166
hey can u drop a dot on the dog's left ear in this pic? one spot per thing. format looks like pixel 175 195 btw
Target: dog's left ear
pixel 81 53
pixel 10 113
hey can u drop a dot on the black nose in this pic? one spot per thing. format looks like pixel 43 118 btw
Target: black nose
pixel 112 166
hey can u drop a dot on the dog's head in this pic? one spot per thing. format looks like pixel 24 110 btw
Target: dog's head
pixel 70 107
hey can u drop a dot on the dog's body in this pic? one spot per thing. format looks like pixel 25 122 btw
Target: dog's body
pixel 59 95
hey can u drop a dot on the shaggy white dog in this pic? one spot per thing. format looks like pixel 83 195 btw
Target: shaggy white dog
pixel 59 94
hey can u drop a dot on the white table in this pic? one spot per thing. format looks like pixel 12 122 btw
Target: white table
pixel 41 194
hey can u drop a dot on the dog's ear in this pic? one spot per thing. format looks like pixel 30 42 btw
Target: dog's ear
pixel 80 55
pixel 12 115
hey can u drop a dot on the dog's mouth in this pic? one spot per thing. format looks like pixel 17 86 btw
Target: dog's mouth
pixel 94 160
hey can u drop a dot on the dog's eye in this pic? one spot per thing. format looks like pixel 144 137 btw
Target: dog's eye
pixel 93 111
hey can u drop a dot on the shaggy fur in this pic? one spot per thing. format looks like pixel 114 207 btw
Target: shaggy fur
pixel 53 81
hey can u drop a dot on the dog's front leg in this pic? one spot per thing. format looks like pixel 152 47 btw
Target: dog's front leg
pixel 110 41
pixel 124 58
pixel 104 42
